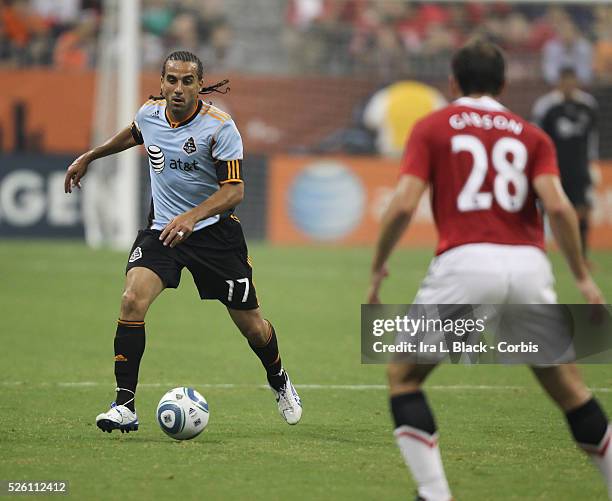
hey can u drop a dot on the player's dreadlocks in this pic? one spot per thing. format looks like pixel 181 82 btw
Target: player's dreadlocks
pixel 190 57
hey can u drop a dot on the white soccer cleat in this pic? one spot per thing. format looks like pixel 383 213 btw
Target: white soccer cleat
pixel 289 403
pixel 119 417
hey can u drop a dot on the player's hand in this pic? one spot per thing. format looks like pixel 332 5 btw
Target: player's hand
pixel 375 283
pixel 177 230
pixel 75 172
pixel 588 288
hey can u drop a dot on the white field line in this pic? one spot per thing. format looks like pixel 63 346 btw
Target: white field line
pixel 350 387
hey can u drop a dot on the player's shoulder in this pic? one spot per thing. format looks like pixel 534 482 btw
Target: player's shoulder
pixel 534 137
pixel 152 104
pixel 151 109
pixel 534 132
pixel 585 98
pixel 546 102
pixel 432 121
pixel 529 132
pixel 214 114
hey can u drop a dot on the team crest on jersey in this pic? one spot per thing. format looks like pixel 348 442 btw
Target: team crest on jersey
pixel 189 147
pixel 157 161
pixel 136 255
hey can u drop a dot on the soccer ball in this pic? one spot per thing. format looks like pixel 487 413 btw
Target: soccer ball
pixel 182 413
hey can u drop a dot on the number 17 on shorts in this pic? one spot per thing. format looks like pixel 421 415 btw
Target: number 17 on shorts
pixel 232 286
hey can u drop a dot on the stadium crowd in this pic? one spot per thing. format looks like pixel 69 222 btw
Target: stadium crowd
pixel 63 33
pixel 418 37
pixel 392 39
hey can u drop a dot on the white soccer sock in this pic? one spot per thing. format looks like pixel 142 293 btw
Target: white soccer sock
pixel 601 455
pixel 422 455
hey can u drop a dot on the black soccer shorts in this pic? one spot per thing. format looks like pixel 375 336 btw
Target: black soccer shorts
pixel 578 191
pixel 216 256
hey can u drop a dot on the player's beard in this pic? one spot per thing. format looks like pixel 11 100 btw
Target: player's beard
pixel 181 110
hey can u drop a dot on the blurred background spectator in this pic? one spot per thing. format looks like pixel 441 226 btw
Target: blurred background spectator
pixel 602 58
pixel 24 35
pixel 75 48
pixel 568 48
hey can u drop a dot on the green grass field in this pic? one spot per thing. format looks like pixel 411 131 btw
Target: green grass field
pixel 59 306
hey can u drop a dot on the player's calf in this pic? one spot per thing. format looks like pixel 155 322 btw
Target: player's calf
pixel 129 347
pixel 262 340
pixel 416 431
pixel 587 421
pixel 268 354
pixel 287 398
pixel 407 377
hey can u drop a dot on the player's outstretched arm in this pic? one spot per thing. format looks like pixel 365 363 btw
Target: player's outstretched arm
pixel 394 222
pixel 77 169
pixel 564 225
pixel 228 197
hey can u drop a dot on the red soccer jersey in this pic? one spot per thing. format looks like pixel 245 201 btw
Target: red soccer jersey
pixel 480 161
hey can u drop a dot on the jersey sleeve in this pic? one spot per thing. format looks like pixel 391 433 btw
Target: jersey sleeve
pixel 135 127
pixel 227 151
pixel 227 142
pixel 416 159
pixel 136 132
pixel 544 158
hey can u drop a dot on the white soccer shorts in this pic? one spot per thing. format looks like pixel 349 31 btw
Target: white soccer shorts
pixel 493 274
pixel 489 274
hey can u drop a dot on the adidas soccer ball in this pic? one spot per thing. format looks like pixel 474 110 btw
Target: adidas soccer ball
pixel 182 413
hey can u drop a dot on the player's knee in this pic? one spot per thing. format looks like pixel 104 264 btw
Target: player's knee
pixel 401 374
pixel 133 307
pixel 256 332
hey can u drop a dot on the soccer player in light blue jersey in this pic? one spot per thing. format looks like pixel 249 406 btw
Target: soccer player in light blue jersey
pixel 195 159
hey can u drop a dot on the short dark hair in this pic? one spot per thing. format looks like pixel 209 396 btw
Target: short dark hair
pixel 187 57
pixel 479 68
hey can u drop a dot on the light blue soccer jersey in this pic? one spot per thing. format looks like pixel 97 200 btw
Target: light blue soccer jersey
pixel 188 161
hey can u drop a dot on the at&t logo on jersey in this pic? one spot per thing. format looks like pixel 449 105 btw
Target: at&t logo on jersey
pixel 156 158
pixel 184 166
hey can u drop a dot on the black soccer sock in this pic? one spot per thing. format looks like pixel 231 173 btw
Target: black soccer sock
pixel 588 424
pixel 270 359
pixel 412 409
pixel 129 347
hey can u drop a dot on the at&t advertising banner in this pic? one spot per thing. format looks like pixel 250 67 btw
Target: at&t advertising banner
pixel 340 201
pixel 335 200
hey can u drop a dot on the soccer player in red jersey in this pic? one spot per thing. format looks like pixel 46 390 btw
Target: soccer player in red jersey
pixel 485 167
